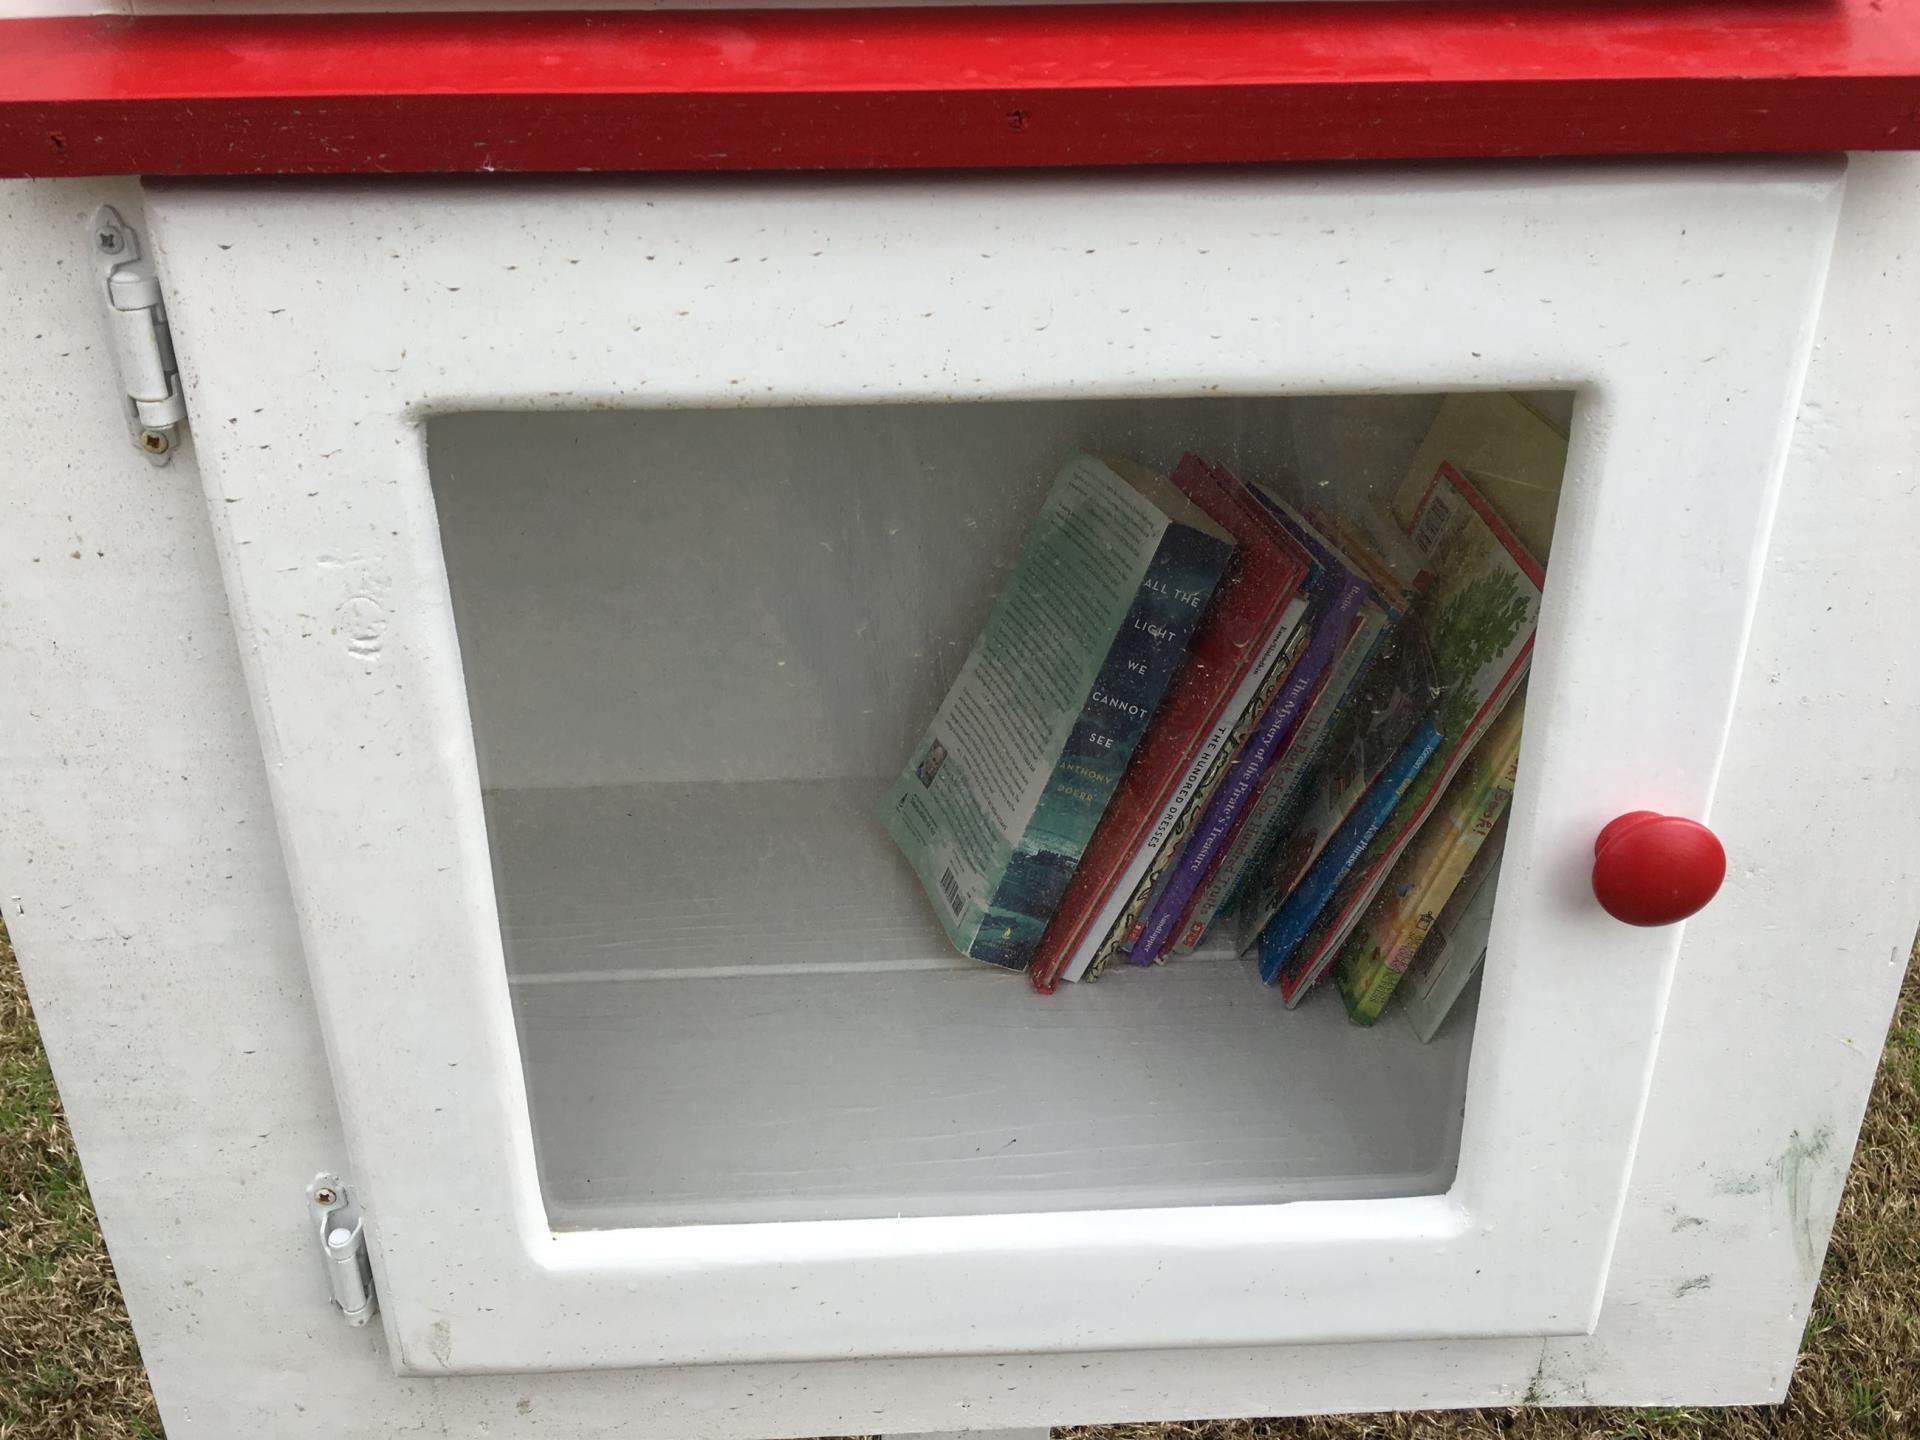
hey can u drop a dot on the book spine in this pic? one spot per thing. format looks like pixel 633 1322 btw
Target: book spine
pixel 1364 988
pixel 1448 840
pixel 1154 883
pixel 1279 788
pixel 1377 954
pixel 1183 922
pixel 1126 927
pixel 1352 898
pixel 1330 630
pixel 1378 548
pixel 1126 691
pixel 1408 919
pixel 1455 947
pixel 1132 915
pixel 1281 642
pixel 1295 917
pixel 1119 911
pixel 1313 955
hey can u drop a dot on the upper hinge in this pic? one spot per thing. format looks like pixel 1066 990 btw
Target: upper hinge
pixel 137 328
pixel 341 1231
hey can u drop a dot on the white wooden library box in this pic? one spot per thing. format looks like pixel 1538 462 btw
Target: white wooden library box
pixel 444 722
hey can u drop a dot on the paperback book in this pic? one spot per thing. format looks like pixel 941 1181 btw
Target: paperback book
pixel 1457 946
pixel 1001 796
pixel 1391 932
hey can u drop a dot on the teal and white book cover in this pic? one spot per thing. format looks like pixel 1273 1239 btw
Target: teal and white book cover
pixel 1003 792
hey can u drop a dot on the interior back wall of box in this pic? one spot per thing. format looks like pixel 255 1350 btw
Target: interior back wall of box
pixel 786 594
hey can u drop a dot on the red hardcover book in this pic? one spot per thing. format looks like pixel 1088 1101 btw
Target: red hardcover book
pixel 1267 571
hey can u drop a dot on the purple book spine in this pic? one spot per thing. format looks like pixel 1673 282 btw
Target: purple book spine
pixel 1329 629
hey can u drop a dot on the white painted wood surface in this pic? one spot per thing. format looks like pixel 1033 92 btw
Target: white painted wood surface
pixel 911 1093
pixel 145 891
pixel 862 1069
pixel 1679 302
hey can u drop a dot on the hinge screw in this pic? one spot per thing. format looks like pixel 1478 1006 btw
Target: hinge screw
pixel 323 1196
pixel 109 242
pixel 154 443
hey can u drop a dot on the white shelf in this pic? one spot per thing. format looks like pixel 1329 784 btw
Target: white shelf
pixel 726 991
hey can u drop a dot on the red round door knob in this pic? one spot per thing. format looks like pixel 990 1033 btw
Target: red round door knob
pixel 1653 869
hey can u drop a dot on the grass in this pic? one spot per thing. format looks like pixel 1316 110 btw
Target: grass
pixel 69 1369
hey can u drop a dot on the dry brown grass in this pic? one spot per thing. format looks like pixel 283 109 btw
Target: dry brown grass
pixel 69 1369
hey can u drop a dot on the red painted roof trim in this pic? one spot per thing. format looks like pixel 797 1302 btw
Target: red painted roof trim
pixel 917 88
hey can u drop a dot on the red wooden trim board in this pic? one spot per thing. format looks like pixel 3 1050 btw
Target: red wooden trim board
pixel 862 89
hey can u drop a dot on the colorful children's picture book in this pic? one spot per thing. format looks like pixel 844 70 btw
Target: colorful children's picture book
pixel 1299 912
pixel 1454 950
pixel 1388 936
pixel 1477 617
pixel 1398 693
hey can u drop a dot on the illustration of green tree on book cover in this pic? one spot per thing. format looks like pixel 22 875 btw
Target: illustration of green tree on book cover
pixel 1471 617
pixel 1477 616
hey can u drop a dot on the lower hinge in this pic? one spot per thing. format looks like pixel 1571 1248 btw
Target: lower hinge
pixel 343 1246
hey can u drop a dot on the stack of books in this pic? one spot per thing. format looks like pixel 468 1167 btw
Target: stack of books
pixel 1197 712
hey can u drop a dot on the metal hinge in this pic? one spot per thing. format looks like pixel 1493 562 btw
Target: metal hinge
pixel 343 1246
pixel 142 344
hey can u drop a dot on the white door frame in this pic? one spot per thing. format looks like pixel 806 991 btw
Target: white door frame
pixel 1678 301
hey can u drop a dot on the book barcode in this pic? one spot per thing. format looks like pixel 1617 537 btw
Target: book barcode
pixel 1432 521
pixel 950 887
